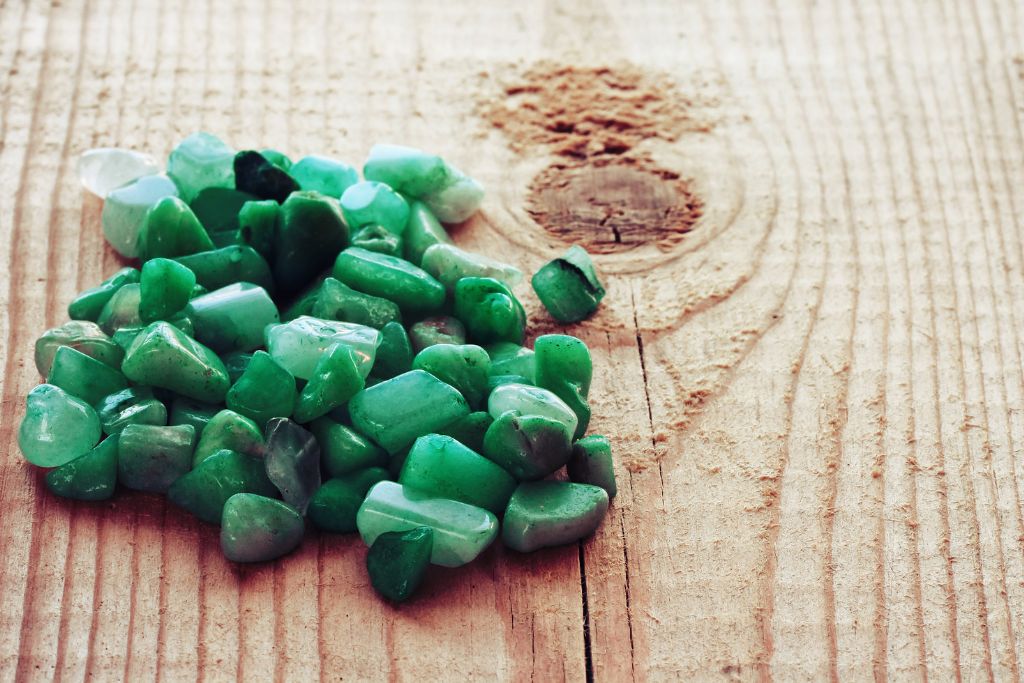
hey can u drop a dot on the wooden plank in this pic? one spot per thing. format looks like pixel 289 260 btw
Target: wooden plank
pixel 815 396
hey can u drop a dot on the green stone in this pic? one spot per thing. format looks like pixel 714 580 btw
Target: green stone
pixel 264 390
pixel 372 203
pixel 231 431
pixel 310 235
pixel 564 367
pixel 542 514
pixel 463 366
pixel 336 378
pixel 258 176
pixel 292 462
pixel 512 359
pixel 225 238
pixel 459 199
pixel 279 159
pixel 421 232
pixel 528 446
pixel 461 531
pixel 257 529
pixel 236 363
pixel 489 310
pixel 124 211
pixel 227 265
pixel 530 400
pixel 441 329
pixel 397 411
pixel 444 467
pixel 206 489
pixel 232 318
pixel 217 208
pixel 397 562
pixel 377 238
pixel 343 450
pixel 408 170
pixel 124 336
pixel 199 161
pixel 165 288
pixel 92 476
pixel 449 264
pixel 122 310
pixel 135 405
pixel 89 304
pixel 304 301
pixel 57 427
pixel 84 377
pixel 334 506
pixel 412 288
pixel 163 356
pixel 495 381
pixel 338 301
pixel 394 355
pixel 591 463
pixel 324 175
pixel 257 225
pixel 185 411
pixel 171 229
pixel 470 430
pixel 298 344
pixel 151 458
pixel 568 286
pixel 80 335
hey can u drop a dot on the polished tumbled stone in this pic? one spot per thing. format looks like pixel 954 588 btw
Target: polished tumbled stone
pixel 163 356
pixel 151 458
pixel 335 504
pixel 57 427
pixel 258 223
pixel 406 169
pixel 292 461
pixel 463 366
pixel 324 175
pixel 469 430
pixel 373 203
pixel 530 400
pixel 591 463
pixel 122 310
pixel 80 335
pixel 397 562
pixel 228 265
pixel 442 466
pixel 256 528
pixel 229 430
pixel 508 358
pixel 205 489
pixel 413 289
pixel 84 377
pixel 343 450
pixel 103 170
pixel 379 239
pixel 134 405
pixel 568 286
pixel 124 211
pixel 564 367
pixel 217 208
pixel 336 378
pixel 459 199
pixel 338 301
pixel 89 304
pixel 265 390
pixel 164 289
pixel 422 231
pixel 550 513
pixel 298 344
pixel 199 161
pixel 449 264
pixel 489 310
pixel 258 176
pixel 92 476
pixel 442 329
pixel 232 318
pixel 309 236
pixel 394 355
pixel 528 446
pixel 171 229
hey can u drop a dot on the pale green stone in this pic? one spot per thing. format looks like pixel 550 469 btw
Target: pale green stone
pixel 406 169
pixel 257 529
pixel 530 400
pixel 103 170
pixel 57 427
pixel 298 344
pixel 372 203
pixel 125 209
pixel 232 318
pixel 448 264
pixel 199 161
pixel 80 335
pixel 458 200
pixel 324 175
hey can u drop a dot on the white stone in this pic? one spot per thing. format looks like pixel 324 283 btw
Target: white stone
pixel 298 344
pixel 105 169
pixel 531 401
pixel 458 200
pixel 199 161
pixel 126 207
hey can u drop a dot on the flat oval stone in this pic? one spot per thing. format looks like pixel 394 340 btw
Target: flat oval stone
pixel 256 528
pixel 264 390
pixel 292 462
pixel 389 277
pixel 232 318
pixel 80 335
pixel 530 400
pixel 163 356
pixel 103 170
pixel 373 203
pixel 199 161
pixel 324 175
pixel 227 430
pixel 151 458
pixel 57 427
pixel 92 476
pixel 298 344
pixel 397 562
pixel 125 209
pixel 334 506
pixel 449 264
pixel 461 531
pixel 541 514
pixel 444 467
pixel 206 489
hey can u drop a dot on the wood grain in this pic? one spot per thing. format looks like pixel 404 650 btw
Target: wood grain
pixel 816 396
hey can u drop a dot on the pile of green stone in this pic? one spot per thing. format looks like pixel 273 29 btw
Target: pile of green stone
pixel 299 344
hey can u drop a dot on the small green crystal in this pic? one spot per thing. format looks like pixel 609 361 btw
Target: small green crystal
pixel 84 377
pixel 163 356
pixel 310 234
pixel 206 489
pixel 324 175
pixel 530 400
pixel 232 318
pixel 229 430
pixel 151 458
pixel 591 463
pixel 464 367
pixel 529 446
pixel 259 177
pixel 389 277
pixel 335 380
pixel 334 506
pixel 563 366
pixel 373 203
pixel 122 310
pixel 89 304
pixel 199 161
pixel 134 405
pixel 489 310
pixel 264 390
pixel 124 211
pixel 292 461
pixel 57 427
pixel 171 229
pixel 469 430
pixel 80 335
pixel 165 288
pixel 568 286
pixel 394 355
pixel 549 513
pixel 338 301
pixel 217 208
pixel 344 450
pixel 257 225
pixel 437 330
pixel 227 265
pixel 257 529
pixel 422 232
pixel 397 562
pixel 444 467
pixel 92 476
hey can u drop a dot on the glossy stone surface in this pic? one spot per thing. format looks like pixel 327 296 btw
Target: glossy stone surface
pixel 122 310
pixel 442 466
pixel 80 335
pixel 265 390
pixel 227 265
pixel 508 358
pixel 373 203
pixel 258 176
pixel 470 430
pixel 199 161
pixel 292 461
pixel 124 336
pixel 338 301
pixel 217 208
pixel 336 378
pixel 171 229
pixel 164 289
pixel 397 562
pixel 134 405
pixel 442 329
pixel 550 513
pixel 57 427
pixel 105 169
pixel 124 211
pixel 530 400
pixel 309 236
pixel 185 411
pixel 397 411
pixel 449 264
pixel 257 529
pixel 461 531
pixel 463 366
pixel 335 504
pixel 84 377
pixel 298 344
pixel 151 458
pixel 563 366
pixel 257 225
pixel 568 286
pixel 92 476
pixel 343 450
pixel 89 304
pixel 591 463
pixel 231 431
pixel 394 355
pixel 422 231
pixel 528 446
pixel 489 310
pixel 412 288
pixel 206 489
pixel 232 318
pixel 459 199
pixel 406 169
pixel 324 175
pixel 379 239
pixel 162 356
pixel 236 363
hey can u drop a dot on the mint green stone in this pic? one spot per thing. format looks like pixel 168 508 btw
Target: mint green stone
pixel 199 161
pixel 122 310
pixel 335 504
pixel 324 175
pixel 568 286
pixel 542 514
pixel 163 356
pixel 441 329
pixel 298 344
pixel 229 430
pixel 389 277
pixel 421 232
pixel 124 211
pixel 397 411
pixel 80 335
pixel 264 390
pixel 206 489
pixel 463 366
pixel 379 239
pixel 461 531
pixel 459 199
pixel 134 405
pixel 338 301
pixel 530 400
pixel 564 367
pixel 394 355
pixel 406 169
pixel 257 529
pixel 232 318
pixel 171 229
pixel 150 458
pixel 591 463
pixel 185 411
pixel 398 561
pixel 449 264
pixel 84 377
pixel 279 159
pixel 292 461
pixel 508 358
pixel 228 265
pixel 92 476
pixel 165 288
pixel 308 238
pixel 336 378
pixel 124 336
pixel 257 225
pixel 217 208
pixel 372 203
pixel 442 466
pixel 489 310
pixel 528 446
pixel 470 430
pixel 344 450
pixel 89 304
pixel 57 427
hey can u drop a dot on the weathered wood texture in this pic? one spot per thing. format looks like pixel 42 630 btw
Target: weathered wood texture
pixel 817 396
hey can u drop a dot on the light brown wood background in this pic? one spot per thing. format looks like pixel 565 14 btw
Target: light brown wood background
pixel 816 400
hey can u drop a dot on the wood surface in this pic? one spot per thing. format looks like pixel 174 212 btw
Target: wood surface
pixel 816 397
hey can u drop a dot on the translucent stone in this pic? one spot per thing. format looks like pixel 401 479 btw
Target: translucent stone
pixel 292 461
pixel 446 468
pixel 171 229
pixel 164 289
pixel 449 264
pixel 508 358
pixel 549 513
pixel 398 561
pixel 470 430
pixel 406 169
pixel 309 236
pixel 336 378
pixel 134 405
pixel 92 476
pixel 105 169
pixel 422 231
pixel 199 161
pixel 256 528
pixel 125 209
pixel 389 277
pixel 264 390
pixel 89 304
pixel 591 463
pixel 228 265
pixel 163 356
pixel 530 400
pixel 394 355
pixel 232 318
pixel 379 239
pixel 335 504
pixel 229 430
pixel 442 329
pixel 217 208
pixel 372 203
pixel 57 427
pixel 464 367
pixel 324 175
pixel 80 335
pixel 529 446
pixel 343 450
pixel 84 377
pixel 298 344
pixel 458 200
pixel 122 310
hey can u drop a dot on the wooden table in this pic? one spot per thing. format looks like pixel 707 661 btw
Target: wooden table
pixel 816 397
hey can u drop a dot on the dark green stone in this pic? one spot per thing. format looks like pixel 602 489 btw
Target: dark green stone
pixel 464 366
pixel 343 450
pixel 135 405
pixel 437 330
pixel 122 310
pixel 528 446
pixel 185 411
pixel 379 239
pixel 217 208
pixel 236 363
pixel 591 463
pixel 568 286
pixel 84 377
pixel 398 561
pixel 80 335
pixel 151 457
pixel 441 466
pixel 389 277
pixel 227 265
pixel 264 390
pixel 171 229
pixel 470 429
pixel 89 304
pixel 549 513
pixel 334 506
pixel 304 301
pixel 258 176
pixel 204 490
pixel 257 529
pixel 257 225
pixel 422 232
pixel 292 462
pixel 335 380
pixel 563 367
pixel 394 355
pixel 338 301
pixel 489 310
pixel 309 236
pixel 92 476
pixel 165 288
